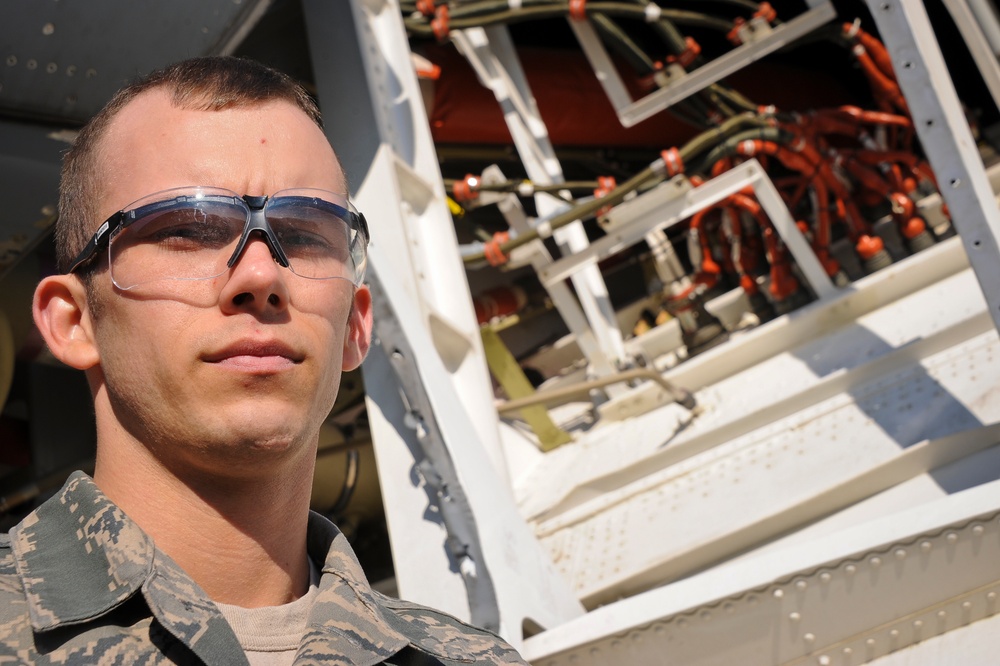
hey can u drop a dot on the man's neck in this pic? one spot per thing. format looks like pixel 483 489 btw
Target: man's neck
pixel 242 540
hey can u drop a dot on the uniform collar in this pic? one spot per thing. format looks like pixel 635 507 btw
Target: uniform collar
pixel 79 555
pixel 348 623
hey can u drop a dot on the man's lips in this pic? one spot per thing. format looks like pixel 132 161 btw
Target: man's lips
pixel 255 356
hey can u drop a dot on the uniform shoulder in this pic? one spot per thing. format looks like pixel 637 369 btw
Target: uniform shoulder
pixel 445 636
pixel 6 555
pixel 14 624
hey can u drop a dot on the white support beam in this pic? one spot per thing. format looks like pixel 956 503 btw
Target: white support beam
pixel 979 29
pixel 383 140
pixel 945 136
pixel 491 53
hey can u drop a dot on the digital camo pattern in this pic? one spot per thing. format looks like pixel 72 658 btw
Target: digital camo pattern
pixel 80 583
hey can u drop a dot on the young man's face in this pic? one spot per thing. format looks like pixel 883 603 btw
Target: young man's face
pixel 226 373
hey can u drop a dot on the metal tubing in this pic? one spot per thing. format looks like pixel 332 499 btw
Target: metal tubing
pixel 681 396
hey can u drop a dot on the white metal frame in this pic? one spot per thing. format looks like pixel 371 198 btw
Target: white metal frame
pixel 981 34
pixel 846 599
pixel 491 53
pixel 631 221
pixel 682 85
pixel 945 136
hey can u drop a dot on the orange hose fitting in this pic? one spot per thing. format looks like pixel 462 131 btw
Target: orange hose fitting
pixel 605 184
pixel 902 206
pixel 672 162
pixel 868 246
pixel 465 190
pixel 766 12
pixel 491 250
pixel 578 9
pixel 425 7
pixel 439 24
pixel 687 56
pixel 734 34
pixel 912 228
pixel 783 283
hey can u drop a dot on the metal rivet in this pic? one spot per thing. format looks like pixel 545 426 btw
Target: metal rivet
pixel 951 537
pixel 824 660
pixel 794 617
pixel 778 594
pixel 801 585
pixel 70 70
pixel 900 553
pixel 967 605
pixel 894 633
pixel 848 651
pixel 870 642
pixel 91 73
pixel 51 68
pixel 48 29
pixel 918 623
pixel 942 614
pixel 809 638
pixel 753 600
pixel 825 577
pixel 978 530
pixel 850 569
pixel 573 659
pixel 991 596
pixel 875 562
pixel 926 546
pixel 31 64
pixel 11 60
pixel 729 607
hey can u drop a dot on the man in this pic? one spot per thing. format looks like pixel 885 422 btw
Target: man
pixel 213 313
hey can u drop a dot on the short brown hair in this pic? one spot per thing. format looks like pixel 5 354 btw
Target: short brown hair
pixel 210 83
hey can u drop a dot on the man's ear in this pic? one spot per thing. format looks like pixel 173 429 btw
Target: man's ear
pixel 359 329
pixel 63 318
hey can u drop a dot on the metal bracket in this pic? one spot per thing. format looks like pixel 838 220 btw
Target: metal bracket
pixel 437 467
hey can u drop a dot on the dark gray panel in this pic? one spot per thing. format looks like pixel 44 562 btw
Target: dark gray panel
pixel 62 59
pixel 29 179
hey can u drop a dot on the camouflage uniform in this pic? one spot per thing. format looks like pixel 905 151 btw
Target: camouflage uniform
pixel 80 583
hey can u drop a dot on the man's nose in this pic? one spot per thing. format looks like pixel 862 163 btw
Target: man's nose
pixel 256 281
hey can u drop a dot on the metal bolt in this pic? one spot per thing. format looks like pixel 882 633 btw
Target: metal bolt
pixel 48 29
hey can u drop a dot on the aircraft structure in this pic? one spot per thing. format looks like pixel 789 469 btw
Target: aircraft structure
pixel 686 341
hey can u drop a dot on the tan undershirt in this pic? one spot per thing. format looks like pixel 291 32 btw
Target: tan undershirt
pixel 270 636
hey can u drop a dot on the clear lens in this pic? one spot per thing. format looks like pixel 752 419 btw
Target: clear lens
pixel 183 234
pixel 192 233
pixel 316 230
